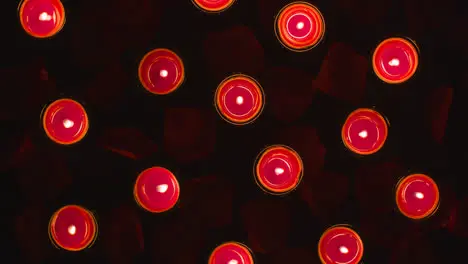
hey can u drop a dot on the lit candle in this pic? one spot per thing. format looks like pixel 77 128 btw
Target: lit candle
pixel 278 169
pixel 364 131
pixel 42 18
pixel 299 26
pixel 73 228
pixel 213 6
pixel 395 60
pixel 417 196
pixel 340 244
pixel 231 253
pixel 65 121
pixel 161 71
pixel 156 190
pixel 239 99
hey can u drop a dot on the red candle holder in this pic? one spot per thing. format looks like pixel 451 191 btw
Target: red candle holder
pixel 161 71
pixel 340 244
pixel 239 99
pixel 417 196
pixel 299 26
pixel 73 228
pixel 156 190
pixel 65 121
pixel 213 6
pixel 42 18
pixel 364 131
pixel 395 60
pixel 231 253
pixel 278 169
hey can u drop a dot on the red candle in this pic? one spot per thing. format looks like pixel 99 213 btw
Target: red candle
pixel 299 26
pixel 73 228
pixel 65 121
pixel 161 71
pixel 340 244
pixel 213 5
pixel 156 190
pixel 239 99
pixel 364 131
pixel 417 196
pixel 231 253
pixel 395 60
pixel 278 169
pixel 42 18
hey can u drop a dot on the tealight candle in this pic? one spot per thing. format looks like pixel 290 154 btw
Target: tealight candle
pixel 340 244
pixel 417 196
pixel 231 253
pixel 161 71
pixel 239 99
pixel 278 169
pixel 364 131
pixel 300 26
pixel 156 190
pixel 42 18
pixel 395 60
pixel 213 5
pixel 65 121
pixel 73 228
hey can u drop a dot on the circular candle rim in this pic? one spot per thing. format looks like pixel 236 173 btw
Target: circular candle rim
pixel 414 67
pixel 141 204
pixel 233 243
pixel 347 228
pixel 86 121
pixel 90 238
pixel 57 28
pixel 260 182
pixel 257 113
pixel 283 40
pixel 200 6
pixel 434 207
pixel 352 148
pixel 176 57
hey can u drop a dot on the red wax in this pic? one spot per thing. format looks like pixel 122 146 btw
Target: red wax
pixel 156 190
pixel 339 245
pixel 73 228
pixel 42 18
pixel 231 252
pixel 364 131
pixel 395 60
pixel 239 99
pixel 161 71
pixel 417 196
pixel 278 169
pixel 213 5
pixel 65 121
pixel 299 26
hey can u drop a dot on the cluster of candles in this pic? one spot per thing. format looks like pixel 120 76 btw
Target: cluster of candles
pixel 239 100
pixel 278 170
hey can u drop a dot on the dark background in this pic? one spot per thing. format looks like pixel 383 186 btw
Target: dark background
pixel 94 59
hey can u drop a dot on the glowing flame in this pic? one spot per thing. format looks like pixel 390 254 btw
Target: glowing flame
pixel 163 73
pixel 67 123
pixel 363 134
pixel 300 25
pixel 419 195
pixel 344 250
pixel 162 188
pixel 72 230
pixel 239 100
pixel 394 62
pixel 45 17
pixel 279 171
